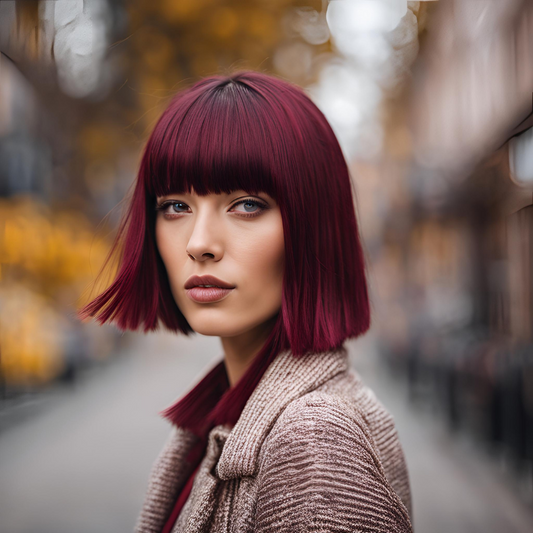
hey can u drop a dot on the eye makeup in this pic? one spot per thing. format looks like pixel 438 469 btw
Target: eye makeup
pixel 169 210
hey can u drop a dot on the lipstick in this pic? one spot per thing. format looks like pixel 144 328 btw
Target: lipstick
pixel 207 294
pixel 207 289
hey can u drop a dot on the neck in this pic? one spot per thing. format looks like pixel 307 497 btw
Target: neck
pixel 240 350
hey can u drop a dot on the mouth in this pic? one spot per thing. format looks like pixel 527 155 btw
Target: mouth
pixel 207 289
pixel 207 294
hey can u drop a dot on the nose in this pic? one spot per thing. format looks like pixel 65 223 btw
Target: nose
pixel 205 241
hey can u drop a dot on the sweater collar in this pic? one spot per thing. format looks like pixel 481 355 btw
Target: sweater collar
pixel 233 452
pixel 286 379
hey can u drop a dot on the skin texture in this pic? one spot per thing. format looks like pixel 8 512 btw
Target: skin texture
pixel 216 234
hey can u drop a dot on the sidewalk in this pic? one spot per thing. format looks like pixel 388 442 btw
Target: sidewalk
pixel 81 465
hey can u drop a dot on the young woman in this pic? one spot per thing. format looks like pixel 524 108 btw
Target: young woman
pixel 242 225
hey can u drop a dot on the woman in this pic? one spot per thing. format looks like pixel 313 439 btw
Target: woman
pixel 242 225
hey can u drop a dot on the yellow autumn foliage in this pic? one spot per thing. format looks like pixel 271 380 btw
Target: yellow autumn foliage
pixel 47 259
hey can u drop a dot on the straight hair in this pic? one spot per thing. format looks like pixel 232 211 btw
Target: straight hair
pixel 258 133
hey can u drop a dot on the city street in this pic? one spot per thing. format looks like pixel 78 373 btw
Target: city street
pixel 81 464
pixel 335 160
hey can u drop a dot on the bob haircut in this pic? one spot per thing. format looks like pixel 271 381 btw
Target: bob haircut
pixel 258 133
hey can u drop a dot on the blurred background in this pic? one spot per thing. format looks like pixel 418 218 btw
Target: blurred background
pixel 432 103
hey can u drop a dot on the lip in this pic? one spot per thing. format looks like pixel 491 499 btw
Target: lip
pixel 194 281
pixel 198 294
pixel 207 295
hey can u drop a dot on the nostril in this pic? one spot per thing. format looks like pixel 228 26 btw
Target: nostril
pixel 212 256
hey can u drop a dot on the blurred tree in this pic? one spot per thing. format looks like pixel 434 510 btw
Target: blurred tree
pixel 92 130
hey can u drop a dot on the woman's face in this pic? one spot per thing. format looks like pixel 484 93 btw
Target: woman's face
pixel 238 239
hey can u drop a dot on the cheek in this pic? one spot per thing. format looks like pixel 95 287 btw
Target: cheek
pixel 172 252
pixel 263 261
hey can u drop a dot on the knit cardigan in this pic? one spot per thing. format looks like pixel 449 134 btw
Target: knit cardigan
pixel 313 451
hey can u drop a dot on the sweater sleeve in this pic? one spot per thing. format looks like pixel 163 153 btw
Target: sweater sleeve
pixel 320 471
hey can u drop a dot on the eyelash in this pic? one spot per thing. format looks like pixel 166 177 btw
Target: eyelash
pixel 164 205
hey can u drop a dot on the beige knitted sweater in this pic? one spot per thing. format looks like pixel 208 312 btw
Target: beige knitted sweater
pixel 313 450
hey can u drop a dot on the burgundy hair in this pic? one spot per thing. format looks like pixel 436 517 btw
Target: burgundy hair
pixel 254 132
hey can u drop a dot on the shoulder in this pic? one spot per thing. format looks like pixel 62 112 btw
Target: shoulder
pixel 350 411
pixel 344 404
pixel 319 408
pixel 322 420
pixel 319 462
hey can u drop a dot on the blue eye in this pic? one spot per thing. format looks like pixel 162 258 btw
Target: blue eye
pixel 170 208
pixel 250 206
pixel 177 206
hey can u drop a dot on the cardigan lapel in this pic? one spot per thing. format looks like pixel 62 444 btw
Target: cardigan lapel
pixel 198 509
pixel 286 379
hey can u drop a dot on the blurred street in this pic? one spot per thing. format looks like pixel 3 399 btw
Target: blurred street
pixel 82 464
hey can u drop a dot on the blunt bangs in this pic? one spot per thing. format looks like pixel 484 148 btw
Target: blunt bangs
pixel 209 141
pixel 258 133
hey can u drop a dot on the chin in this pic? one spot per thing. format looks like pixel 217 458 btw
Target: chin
pixel 218 327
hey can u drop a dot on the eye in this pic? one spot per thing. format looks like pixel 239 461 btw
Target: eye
pixel 250 207
pixel 171 207
pixel 247 207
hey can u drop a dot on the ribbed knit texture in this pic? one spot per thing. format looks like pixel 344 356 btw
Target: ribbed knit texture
pixel 168 474
pixel 312 451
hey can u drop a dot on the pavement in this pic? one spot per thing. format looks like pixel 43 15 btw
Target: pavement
pixel 80 463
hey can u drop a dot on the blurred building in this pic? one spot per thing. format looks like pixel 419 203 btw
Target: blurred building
pixel 457 304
